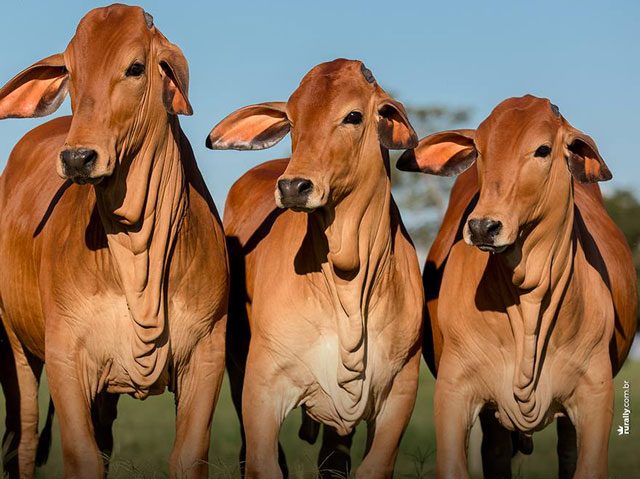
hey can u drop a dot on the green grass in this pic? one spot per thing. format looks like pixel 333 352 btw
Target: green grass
pixel 144 435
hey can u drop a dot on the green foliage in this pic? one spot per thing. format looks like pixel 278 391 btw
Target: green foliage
pixel 624 209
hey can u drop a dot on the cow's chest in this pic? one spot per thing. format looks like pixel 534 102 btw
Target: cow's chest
pixel 303 338
pixel 101 333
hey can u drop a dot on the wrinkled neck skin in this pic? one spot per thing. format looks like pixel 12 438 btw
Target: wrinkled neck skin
pixel 141 209
pixel 357 231
pixel 539 269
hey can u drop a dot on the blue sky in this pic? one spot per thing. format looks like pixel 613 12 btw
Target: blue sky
pixel 583 55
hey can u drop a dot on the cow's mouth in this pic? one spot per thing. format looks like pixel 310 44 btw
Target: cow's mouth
pixel 86 180
pixel 492 248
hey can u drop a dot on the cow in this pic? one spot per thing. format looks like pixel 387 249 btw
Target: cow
pixel 530 290
pixel 323 271
pixel 112 255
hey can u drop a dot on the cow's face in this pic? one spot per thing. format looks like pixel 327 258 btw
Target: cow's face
pixel 525 153
pixel 121 74
pixel 338 117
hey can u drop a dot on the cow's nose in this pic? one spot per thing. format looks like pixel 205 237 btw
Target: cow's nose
pixel 484 230
pixel 296 189
pixel 78 160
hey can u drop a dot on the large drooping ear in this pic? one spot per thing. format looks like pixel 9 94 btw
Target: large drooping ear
pixel 446 153
pixel 37 91
pixel 253 127
pixel 175 76
pixel 585 163
pixel 394 130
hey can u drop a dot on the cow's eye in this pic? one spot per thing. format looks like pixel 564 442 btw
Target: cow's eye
pixel 542 151
pixel 353 118
pixel 136 69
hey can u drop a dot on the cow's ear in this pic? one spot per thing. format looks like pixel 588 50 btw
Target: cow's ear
pixel 394 130
pixel 175 78
pixel 584 160
pixel 253 127
pixel 37 91
pixel 446 153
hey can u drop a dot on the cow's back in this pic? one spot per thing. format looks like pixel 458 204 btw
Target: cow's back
pixel 603 242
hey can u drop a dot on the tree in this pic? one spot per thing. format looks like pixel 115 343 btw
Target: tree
pixel 624 209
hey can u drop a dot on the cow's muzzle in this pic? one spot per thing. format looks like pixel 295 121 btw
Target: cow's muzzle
pixel 294 193
pixel 78 164
pixel 484 233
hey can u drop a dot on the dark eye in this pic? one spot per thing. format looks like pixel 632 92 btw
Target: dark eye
pixel 542 151
pixel 353 118
pixel 135 70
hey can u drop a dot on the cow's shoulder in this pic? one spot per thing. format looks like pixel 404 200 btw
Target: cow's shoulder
pixel 251 200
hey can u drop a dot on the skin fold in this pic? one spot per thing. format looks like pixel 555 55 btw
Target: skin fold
pixel 113 257
pixel 326 301
pixel 530 290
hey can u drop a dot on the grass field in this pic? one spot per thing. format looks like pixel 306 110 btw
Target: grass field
pixel 144 435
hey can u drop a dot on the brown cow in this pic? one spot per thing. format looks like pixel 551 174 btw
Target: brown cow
pixel 534 312
pixel 122 285
pixel 332 295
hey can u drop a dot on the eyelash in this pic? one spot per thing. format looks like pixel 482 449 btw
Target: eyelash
pixel 353 118
pixel 135 70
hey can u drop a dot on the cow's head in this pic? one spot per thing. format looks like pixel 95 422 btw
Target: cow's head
pixel 121 73
pixel 338 116
pixel 526 153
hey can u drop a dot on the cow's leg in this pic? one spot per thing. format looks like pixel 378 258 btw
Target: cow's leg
pixel 268 396
pixel 454 411
pixel 591 411
pixel 103 413
pixel 334 459
pixel 567 448
pixel 387 428
pixel 197 390
pixel 19 374
pixel 71 382
pixel 497 447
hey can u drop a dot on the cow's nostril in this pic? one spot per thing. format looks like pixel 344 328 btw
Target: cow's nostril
pixel 492 227
pixel 79 158
pixel 484 230
pixel 295 188
pixel 304 187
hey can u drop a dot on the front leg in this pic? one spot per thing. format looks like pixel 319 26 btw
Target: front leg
pixel 71 382
pixel 591 411
pixel 386 430
pixel 197 390
pixel 268 396
pixel 454 411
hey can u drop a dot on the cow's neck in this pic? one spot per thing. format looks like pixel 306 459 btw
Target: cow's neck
pixel 357 233
pixel 539 268
pixel 141 212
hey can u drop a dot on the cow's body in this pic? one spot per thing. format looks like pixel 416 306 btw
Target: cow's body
pixel 601 260
pixel 58 273
pixel 331 297
pixel 121 287
pixel 293 300
pixel 534 330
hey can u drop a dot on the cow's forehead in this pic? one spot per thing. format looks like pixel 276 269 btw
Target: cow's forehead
pixel 517 119
pixel 103 27
pixel 331 84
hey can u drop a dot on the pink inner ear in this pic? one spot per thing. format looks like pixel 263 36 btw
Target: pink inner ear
pixel 248 129
pixel 36 96
pixel 591 168
pixel 435 157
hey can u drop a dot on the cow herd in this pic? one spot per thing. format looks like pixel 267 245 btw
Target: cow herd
pixel 115 267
